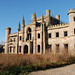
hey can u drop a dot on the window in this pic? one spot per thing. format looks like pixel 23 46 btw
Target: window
pixel 20 38
pixel 74 31
pixel 74 46
pixel 57 48
pixel 20 49
pixel 49 35
pixel 10 49
pixel 14 49
pixel 66 47
pixel 38 48
pixel 29 31
pixel 65 33
pixel 74 18
pixel 14 39
pixel 57 34
pixel 38 35
pixel 50 48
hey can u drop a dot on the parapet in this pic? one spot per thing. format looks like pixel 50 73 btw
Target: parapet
pixel 58 26
pixel 71 11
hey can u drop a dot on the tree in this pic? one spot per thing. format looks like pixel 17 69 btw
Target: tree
pixel 2 42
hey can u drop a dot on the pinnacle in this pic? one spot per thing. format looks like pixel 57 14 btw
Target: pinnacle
pixel 42 18
pixel 34 14
pixel 19 25
pixel 23 19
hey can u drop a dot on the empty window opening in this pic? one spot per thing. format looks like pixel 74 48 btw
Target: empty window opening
pixel 57 48
pixel 74 46
pixel 14 49
pixel 49 35
pixel 38 48
pixel 10 49
pixel 14 39
pixel 66 47
pixel 20 38
pixel 50 48
pixel 74 31
pixel 28 34
pixel 38 35
pixel 74 18
pixel 65 33
pixel 57 34
pixel 20 49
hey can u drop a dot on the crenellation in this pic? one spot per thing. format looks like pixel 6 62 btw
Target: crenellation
pixel 71 11
pixel 58 25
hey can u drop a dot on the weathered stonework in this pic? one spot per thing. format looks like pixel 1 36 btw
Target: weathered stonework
pixel 44 35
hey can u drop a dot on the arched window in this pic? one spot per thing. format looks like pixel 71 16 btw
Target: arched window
pixel 20 49
pixel 38 35
pixel 20 38
pixel 29 33
pixel 38 48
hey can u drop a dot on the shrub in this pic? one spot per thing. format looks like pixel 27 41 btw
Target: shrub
pixel 23 64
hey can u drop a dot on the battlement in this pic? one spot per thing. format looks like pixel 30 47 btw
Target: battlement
pixel 58 26
pixel 71 11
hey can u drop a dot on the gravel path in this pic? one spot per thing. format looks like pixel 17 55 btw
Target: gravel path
pixel 67 70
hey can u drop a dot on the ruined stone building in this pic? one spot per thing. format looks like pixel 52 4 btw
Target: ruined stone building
pixel 44 35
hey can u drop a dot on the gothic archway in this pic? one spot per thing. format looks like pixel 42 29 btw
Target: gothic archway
pixel 25 49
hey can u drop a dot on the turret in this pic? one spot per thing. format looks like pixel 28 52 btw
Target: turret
pixel 71 13
pixel 23 25
pixel 34 18
pixel 47 17
pixel 8 31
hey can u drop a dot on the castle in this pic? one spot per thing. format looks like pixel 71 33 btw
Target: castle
pixel 44 35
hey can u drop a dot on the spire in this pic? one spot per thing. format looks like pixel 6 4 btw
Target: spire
pixel 42 18
pixel 23 21
pixel 19 26
pixel 35 16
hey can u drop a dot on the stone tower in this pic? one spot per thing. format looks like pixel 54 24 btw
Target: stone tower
pixel 8 31
pixel 71 13
pixel 47 17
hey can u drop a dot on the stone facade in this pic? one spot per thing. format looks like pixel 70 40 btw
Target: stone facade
pixel 45 35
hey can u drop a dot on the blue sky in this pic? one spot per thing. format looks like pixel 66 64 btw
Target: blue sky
pixel 12 11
